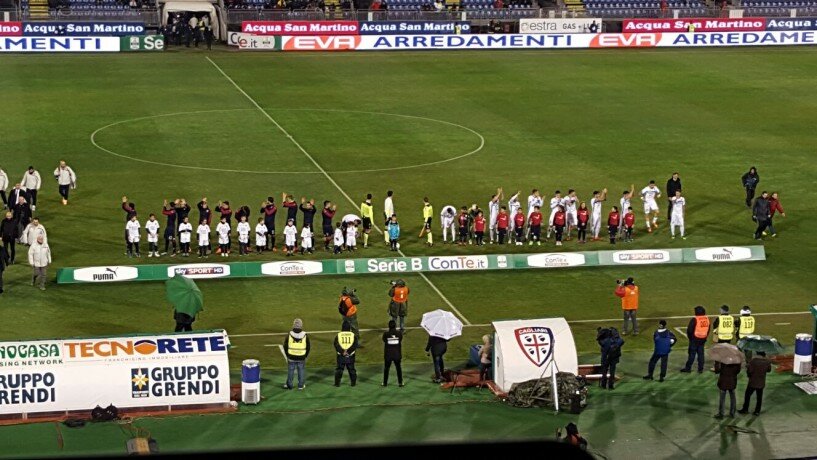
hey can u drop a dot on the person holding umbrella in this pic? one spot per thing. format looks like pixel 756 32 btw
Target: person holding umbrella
pixel 186 299
pixel 441 326
pixel 730 359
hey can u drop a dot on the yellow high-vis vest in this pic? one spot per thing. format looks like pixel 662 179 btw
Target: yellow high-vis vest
pixel 346 339
pixel 296 348
pixel 726 327
pixel 747 326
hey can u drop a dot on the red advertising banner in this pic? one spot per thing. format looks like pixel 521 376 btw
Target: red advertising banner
pixel 293 28
pixel 11 29
pixel 700 24
pixel 643 40
pixel 320 43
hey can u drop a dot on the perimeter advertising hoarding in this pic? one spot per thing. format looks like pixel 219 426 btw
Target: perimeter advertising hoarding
pixel 293 28
pixel 131 371
pixel 700 24
pixel 82 29
pixel 560 26
pixel 58 44
pixel 414 27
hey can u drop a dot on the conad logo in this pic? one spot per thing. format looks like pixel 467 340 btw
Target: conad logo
pixel 321 43
pixel 625 40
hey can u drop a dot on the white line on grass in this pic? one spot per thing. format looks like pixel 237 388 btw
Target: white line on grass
pixel 329 178
pixel 782 324
pixel 683 332
pixel 604 320
pixel 250 171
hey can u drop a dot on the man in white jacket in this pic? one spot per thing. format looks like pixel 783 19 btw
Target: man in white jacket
pixel 32 182
pixel 4 184
pixel 39 257
pixel 32 231
pixel 66 178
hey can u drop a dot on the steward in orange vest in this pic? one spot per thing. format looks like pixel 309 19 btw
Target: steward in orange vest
pixel 628 292
pixel 697 332
pixel 347 307
pixel 398 306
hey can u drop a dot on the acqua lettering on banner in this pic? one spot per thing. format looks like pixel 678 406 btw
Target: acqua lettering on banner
pixel 11 29
pixel 700 24
pixel 292 28
pixel 791 24
pixel 138 371
pixel 82 29
pixel 414 27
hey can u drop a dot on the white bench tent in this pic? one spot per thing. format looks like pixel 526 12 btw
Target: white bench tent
pixel 525 349
pixel 196 6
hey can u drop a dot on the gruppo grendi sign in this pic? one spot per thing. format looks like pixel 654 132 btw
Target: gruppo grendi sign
pixel 144 371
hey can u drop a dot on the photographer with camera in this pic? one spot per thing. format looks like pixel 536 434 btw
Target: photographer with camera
pixel 628 292
pixel 398 306
pixel 610 343
pixel 348 309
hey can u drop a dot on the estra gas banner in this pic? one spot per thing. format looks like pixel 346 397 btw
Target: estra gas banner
pixel 700 24
pixel 139 371
pixel 300 27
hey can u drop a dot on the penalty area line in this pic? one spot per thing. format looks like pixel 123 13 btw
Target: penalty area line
pixel 331 180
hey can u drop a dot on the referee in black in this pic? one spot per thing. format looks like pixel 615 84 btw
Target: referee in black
pixel 392 353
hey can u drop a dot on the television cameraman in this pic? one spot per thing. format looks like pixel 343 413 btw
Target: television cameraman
pixel 398 305
pixel 628 292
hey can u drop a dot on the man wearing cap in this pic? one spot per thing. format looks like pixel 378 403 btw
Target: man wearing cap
pixel 345 345
pixel 697 332
pixel 628 292
pixel 32 182
pixel 296 349
pixel 664 340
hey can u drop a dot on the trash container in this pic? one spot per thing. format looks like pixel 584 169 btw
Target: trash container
pixel 803 349
pixel 250 381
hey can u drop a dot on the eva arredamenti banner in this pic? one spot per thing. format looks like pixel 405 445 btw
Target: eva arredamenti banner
pixel 138 371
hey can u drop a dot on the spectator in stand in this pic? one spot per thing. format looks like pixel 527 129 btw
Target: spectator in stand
pixel 499 4
pixel 664 13
pixel 375 6
pixel 774 206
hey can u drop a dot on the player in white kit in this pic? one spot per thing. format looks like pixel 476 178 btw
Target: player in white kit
pixel 571 201
pixel 513 208
pixel 555 202
pixel 493 212
pixel 649 194
pixel 152 227
pixel 290 235
pixel 447 216
pixel 679 204
pixel 625 205
pixel 595 212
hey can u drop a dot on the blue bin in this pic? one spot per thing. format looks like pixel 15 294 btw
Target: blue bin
pixel 250 371
pixel 803 345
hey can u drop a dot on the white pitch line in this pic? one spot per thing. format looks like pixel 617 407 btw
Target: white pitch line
pixel 329 178
pixel 683 332
pixel 782 324
pixel 604 320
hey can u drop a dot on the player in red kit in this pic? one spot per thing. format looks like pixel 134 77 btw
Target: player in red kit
pixel 559 221
pixel 629 222
pixel 583 216
pixel 612 224
pixel 463 220
pixel 518 225
pixel 502 221
pixel 535 226
pixel 479 228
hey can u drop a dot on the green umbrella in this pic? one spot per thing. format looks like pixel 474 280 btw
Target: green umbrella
pixel 184 295
pixel 763 343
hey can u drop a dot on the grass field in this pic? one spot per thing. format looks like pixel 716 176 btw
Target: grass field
pixel 374 122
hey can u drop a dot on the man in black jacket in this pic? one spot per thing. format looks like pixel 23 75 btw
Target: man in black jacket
pixel 15 194
pixel 345 345
pixel 392 353
pixel 673 184
pixel 437 346
pixel 697 332
pixel 2 266
pixel 761 213
pixel 750 181
pixel 9 233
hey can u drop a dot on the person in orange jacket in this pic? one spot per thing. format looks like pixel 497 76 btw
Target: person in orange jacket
pixel 347 307
pixel 628 292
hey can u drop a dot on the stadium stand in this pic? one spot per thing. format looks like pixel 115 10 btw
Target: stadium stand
pixel 779 7
pixel 642 8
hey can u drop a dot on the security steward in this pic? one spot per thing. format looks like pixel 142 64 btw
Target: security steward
pixel 398 306
pixel 347 307
pixel 724 329
pixel 697 332
pixel 745 326
pixel 345 345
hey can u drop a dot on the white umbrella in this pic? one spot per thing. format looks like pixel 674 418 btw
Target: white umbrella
pixel 441 323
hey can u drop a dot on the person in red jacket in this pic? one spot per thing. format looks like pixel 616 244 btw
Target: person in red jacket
pixel 774 206
pixel 535 226
pixel 583 216
pixel 629 222
pixel 502 221
pixel 519 224
pixel 559 219
pixel 479 228
pixel 612 224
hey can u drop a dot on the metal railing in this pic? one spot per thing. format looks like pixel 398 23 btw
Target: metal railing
pixel 14 14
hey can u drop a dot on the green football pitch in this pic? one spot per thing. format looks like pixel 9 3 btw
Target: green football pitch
pixel 452 126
